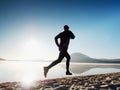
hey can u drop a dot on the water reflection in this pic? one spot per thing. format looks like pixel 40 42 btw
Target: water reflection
pixel 26 72
pixel 80 68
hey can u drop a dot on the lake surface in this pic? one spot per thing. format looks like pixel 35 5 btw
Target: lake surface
pixel 29 71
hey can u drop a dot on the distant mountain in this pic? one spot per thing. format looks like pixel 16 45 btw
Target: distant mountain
pixel 79 57
pixel 2 59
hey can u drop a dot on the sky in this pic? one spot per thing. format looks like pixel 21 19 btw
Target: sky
pixel 28 28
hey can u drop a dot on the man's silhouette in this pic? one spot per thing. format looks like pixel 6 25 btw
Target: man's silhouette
pixel 64 37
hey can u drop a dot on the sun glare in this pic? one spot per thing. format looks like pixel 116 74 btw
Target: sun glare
pixel 28 79
pixel 31 44
pixel 30 74
pixel 32 47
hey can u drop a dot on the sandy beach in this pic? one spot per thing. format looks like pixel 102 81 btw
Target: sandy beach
pixel 110 81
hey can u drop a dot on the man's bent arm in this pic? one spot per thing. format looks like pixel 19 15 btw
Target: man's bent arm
pixel 56 41
pixel 72 35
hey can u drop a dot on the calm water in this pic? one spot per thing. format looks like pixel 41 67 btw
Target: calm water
pixel 29 71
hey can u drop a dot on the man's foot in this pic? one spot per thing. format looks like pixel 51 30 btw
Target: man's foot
pixel 68 73
pixel 45 71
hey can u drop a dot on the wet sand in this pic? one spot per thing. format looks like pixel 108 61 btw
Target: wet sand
pixel 110 81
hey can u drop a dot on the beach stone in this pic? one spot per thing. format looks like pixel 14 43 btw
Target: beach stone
pixel 118 88
pixel 90 88
pixel 108 79
pixel 86 84
pixel 49 89
pixel 36 86
pixel 81 88
pixel 114 82
pixel 3 86
pixel 104 86
pixel 104 82
pixel 10 88
pixel 18 89
pixel 45 89
pixel 61 87
pixel 113 87
pixel 72 87
pixel 76 87
pixel 2 89
pixel 56 84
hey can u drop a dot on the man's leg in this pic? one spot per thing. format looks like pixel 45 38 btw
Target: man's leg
pixel 68 64
pixel 61 56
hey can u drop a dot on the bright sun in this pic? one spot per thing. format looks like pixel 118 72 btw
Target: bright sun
pixel 32 47
pixel 31 44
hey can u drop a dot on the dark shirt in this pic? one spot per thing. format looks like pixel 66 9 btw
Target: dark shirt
pixel 65 37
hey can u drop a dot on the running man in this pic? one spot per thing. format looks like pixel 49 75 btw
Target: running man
pixel 64 37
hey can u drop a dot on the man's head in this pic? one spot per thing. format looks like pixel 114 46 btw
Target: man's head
pixel 66 27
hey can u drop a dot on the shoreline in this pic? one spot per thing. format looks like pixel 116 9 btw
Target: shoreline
pixel 60 63
pixel 107 81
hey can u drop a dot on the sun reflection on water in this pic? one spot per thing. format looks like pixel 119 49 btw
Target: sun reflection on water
pixel 28 79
